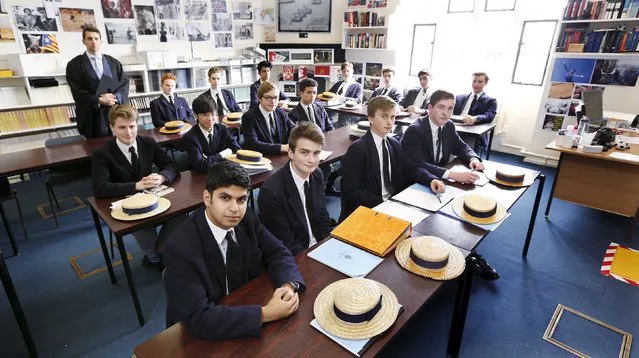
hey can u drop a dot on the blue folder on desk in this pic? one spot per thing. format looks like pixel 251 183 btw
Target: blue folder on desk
pixel 345 258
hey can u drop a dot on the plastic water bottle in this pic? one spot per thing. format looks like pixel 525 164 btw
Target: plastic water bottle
pixel 582 131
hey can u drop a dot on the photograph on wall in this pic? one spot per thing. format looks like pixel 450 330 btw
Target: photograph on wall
pixel 374 69
pixel 34 19
pixel 118 33
pixel 75 20
pixel 572 111
pixel 288 73
pixel 576 70
pixel 304 16
pixel 322 71
pixel 358 68
pixel 371 83
pixel 270 34
pixel 40 43
pixel 302 56
pixel 556 106
pixel 616 72
pixel 198 31
pixel 222 22
pixel 280 56
pixel 223 39
pixel 243 11
pixel 302 72
pixel 117 9
pixel 289 88
pixel 196 9
pixel 243 31
pixel 561 90
pixel 323 56
pixel 552 122
pixel 219 6
pixel 167 9
pixel 6 31
pixel 580 88
pixel 170 31
pixel 145 20
pixel 265 16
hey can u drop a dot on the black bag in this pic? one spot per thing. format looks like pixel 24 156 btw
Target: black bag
pixel 604 137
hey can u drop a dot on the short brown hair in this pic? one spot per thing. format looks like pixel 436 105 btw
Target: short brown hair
pixel 265 87
pixel 481 74
pixel 380 102
pixel 424 71
pixel 440 95
pixel 308 130
pixel 213 70
pixel 307 82
pixel 123 111
pixel 168 76
pixel 346 64
pixel 90 29
pixel 388 69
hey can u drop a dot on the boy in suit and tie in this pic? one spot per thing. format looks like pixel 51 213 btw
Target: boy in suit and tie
pixel 347 88
pixel 219 249
pixel 208 142
pixel 123 166
pixel 375 166
pixel 168 106
pixel 264 71
pixel 266 127
pixel 307 109
pixel 476 108
pixel 223 98
pixel 388 73
pixel 416 100
pixel 291 201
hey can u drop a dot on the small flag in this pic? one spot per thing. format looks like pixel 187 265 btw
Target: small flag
pixel 50 43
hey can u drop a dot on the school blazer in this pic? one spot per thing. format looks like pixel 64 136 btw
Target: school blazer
pixel 354 91
pixel 299 114
pixel 255 100
pixel 201 155
pixel 162 111
pixel 484 108
pixel 256 134
pixel 392 93
pixel 231 104
pixel 410 98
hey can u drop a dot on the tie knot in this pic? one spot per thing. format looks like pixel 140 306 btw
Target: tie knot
pixel 229 236
pixel 132 150
pixel 475 97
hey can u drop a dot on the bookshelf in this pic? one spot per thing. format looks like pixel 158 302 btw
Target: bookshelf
pixel 365 25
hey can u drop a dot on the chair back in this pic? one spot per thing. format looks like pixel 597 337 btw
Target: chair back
pixel 55 142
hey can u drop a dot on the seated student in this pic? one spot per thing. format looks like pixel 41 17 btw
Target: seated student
pixel 123 165
pixel 476 107
pixel 218 250
pixel 264 71
pixel 416 100
pixel 168 106
pixel 223 98
pixel 388 73
pixel 347 88
pixel 266 126
pixel 375 166
pixel 307 109
pixel 291 201
pixel 208 142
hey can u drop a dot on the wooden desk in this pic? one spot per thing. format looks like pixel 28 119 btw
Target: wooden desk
pixel 337 141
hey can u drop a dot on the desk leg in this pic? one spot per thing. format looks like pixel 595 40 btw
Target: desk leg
pixel 554 183
pixel 533 215
pixel 129 279
pixel 459 311
pixel 105 252
pixel 7 226
pixel 490 143
pixel 17 308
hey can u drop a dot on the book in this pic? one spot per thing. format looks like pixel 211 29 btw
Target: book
pixel 345 258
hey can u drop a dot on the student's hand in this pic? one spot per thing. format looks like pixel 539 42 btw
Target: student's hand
pixel 284 148
pixel 411 108
pixel 145 183
pixel 477 165
pixel 463 177
pixel 289 294
pixel 282 104
pixel 470 120
pixel 437 186
pixel 278 308
pixel 226 152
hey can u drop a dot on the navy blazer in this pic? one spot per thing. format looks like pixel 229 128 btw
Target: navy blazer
pixel 195 276
pixel 113 175
pixel 392 93
pixel 201 157
pixel 258 137
pixel 409 99
pixel 418 146
pixel 282 209
pixel 162 111
pixel 254 100
pixel 361 180
pixel 231 104
pixel 484 108
pixel 354 91
pixel 299 114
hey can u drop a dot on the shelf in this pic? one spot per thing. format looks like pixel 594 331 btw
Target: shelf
pixel 365 48
pixel 364 27
pixel 38 130
pixel 599 20
pixel 595 54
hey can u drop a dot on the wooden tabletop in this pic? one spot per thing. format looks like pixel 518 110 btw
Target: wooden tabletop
pixel 634 149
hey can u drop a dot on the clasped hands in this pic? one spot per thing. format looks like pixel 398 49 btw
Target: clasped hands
pixel 108 99
pixel 283 304
pixel 152 180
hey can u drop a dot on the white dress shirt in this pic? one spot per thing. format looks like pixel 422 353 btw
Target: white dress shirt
pixel 470 100
pixel 267 117
pixel 125 149
pixel 433 132
pixel 206 133
pixel 96 63
pixel 380 155
pixel 168 97
pixel 306 107
pixel 344 87
pixel 419 99
pixel 220 238
pixel 214 95
pixel 299 183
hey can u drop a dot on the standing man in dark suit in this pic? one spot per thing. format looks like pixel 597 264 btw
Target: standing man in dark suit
pixel 476 107
pixel 97 83
pixel 264 71
pixel 218 250
pixel 208 142
pixel 223 98
pixel 347 88
pixel 416 100
pixel 168 106
pixel 291 201
pixel 123 166
pixel 307 109
pixel 266 127
pixel 375 166
pixel 388 73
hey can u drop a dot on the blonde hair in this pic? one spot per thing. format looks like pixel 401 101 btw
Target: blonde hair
pixel 124 111
pixel 265 87
pixel 380 102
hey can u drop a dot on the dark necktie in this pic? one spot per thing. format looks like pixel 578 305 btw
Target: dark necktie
pixel 220 107
pixel 234 263
pixel 439 145
pixel 310 209
pixel 171 100
pixel 384 91
pixel 273 128
pixel 341 88
pixel 135 162
pixel 211 144
pixel 472 104
pixel 311 118
pixel 386 167
pixel 424 103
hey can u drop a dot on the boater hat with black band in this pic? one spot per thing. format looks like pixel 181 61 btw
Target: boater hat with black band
pixel 479 209
pixel 249 157
pixel 326 96
pixel 140 206
pixel 361 127
pixel 233 118
pixel 174 127
pixel 509 177
pixel 431 257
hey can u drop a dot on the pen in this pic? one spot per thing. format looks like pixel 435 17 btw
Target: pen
pixel 439 196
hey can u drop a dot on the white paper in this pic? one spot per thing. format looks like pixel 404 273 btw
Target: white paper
pixel 421 196
pixel 448 211
pixel 345 258
pixel 325 154
pixel 402 211
pixel 483 179
pixel 353 346
pixel 625 156
pixel 628 139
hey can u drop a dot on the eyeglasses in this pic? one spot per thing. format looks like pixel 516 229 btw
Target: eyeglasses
pixel 270 98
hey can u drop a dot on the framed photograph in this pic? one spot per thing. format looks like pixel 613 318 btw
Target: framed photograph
pixel 289 88
pixel 281 56
pixel 323 56
pixel 373 69
pixel 302 56
pixel 358 68
pixel 370 83
pixel 288 73
pixel 322 71
pixel 304 16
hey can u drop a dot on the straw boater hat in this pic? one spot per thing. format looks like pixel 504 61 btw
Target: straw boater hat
pixel 431 257
pixel 479 209
pixel 233 118
pixel 360 128
pixel 356 308
pixel 509 176
pixel 351 105
pixel 140 206
pixel 249 157
pixel 174 127
pixel 327 96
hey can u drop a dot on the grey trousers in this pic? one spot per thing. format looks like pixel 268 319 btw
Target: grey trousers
pixel 151 242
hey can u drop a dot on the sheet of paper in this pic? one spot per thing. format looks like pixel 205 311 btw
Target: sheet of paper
pixel 448 211
pixel 357 347
pixel 628 139
pixel 483 179
pixel 345 258
pixel 402 211
pixel 422 197
pixel 325 154
pixel 625 156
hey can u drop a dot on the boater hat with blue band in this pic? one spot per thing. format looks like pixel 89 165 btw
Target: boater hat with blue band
pixel 508 176
pixel 431 257
pixel 174 127
pixel 249 157
pixel 479 209
pixel 140 206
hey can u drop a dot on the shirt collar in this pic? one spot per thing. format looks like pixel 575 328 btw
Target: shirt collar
pixel 167 96
pixel 125 147
pixel 478 94
pixel 305 106
pixel 97 55
pixel 377 139
pixel 218 232
pixel 214 92
pixel 433 127
pixel 206 134
pixel 264 112
pixel 299 181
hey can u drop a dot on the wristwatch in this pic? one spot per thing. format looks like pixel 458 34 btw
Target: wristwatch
pixel 295 285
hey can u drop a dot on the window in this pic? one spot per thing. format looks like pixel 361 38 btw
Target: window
pixel 500 5
pixel 533 52
pixel 457 6
pixel 421 55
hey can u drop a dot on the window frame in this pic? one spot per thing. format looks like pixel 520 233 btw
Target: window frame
pixel 521 37
pixel 412 49
pixel 461 12
pixel 499 10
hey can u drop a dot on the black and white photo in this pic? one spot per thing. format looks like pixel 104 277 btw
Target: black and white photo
pixel 167 9
pixel 222 22
pixel 219 6
pixel 556 106
pixel 170 31
pixel 223 39
pixel 117 9
pixel 323 56
pixel 34 19
pixel 198 31
pixel 196 9
pixel 242 11
pixel 304 16
pixel 243 31
pixel 145 20
pixel 119 33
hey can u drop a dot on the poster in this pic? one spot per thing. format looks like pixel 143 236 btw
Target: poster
pixel 221 22
pixel 223 39
pixel 219 6
pixel 622 72
pixel 556 106
pixel 288 73
pixel 552 122
pixel 170 31
pixel 323 56
pixel 120 33
pixel 34 19
pixel 243 31
pixel 270 34
pixel 561 90
pixel 75 20
pixel 580 88
pixel 302 72
pixel 198 31
pixel 145 20
pixel 280 56
pixel 242 11
pixel 265 16
pixel 374 69
pixel 322 71
pixel 196 10
pixel 117 9
pixel 40 43
pixel 577 70
pixel 167 9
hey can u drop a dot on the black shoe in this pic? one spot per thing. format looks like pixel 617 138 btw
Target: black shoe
pixel 146 261
pixel 482 268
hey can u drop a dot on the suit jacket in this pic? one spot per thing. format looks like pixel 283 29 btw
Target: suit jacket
pixel 86 88
pixel 258 137
pixel 231 104
pixel 200 154
pixel 410 98
pixel 282 209
pixel 254 100
pixel 321 117
pixel 354 91
pixel 392 93
pixel 484 108
pixel 162 111
pixel 113 175
pixel 195 276
pixel 361 180
pixel 418 146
